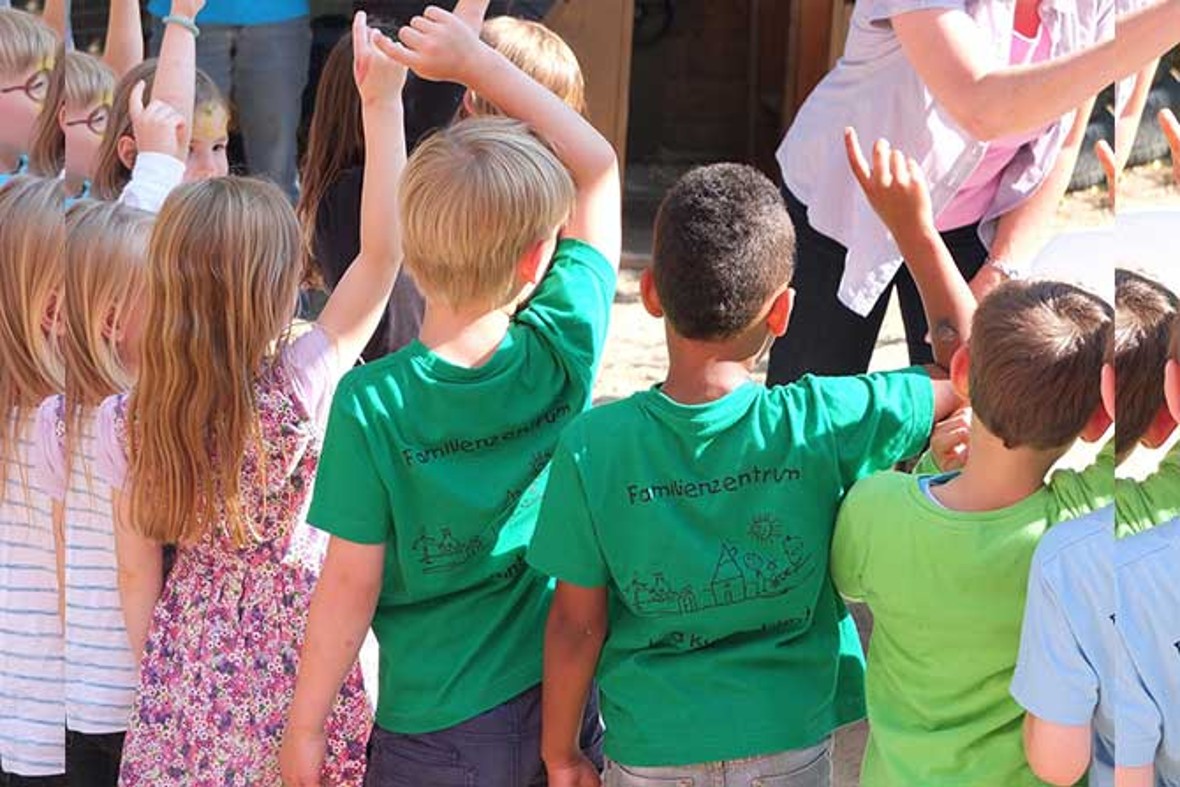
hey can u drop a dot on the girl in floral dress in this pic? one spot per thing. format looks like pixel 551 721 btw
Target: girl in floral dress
pixel 215 449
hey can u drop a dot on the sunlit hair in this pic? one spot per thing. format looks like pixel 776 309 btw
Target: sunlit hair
pixel 540 53
pixel 335 140
pixel 81 81
pixel 32 234
pixel 111 175
pixel 475 197
pixel 1143 315
pixel 222 285
pixel 25 42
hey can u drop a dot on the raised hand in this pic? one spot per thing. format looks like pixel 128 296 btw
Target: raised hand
pixel 1171 128
pixel 440 46
pixel 472 13
pixel 378 75
pixel 189 8
pixel 895 185
pixel 158 126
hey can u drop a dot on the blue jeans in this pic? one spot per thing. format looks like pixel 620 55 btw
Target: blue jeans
pixel 810 767
pixel 499 748
pixel 262 70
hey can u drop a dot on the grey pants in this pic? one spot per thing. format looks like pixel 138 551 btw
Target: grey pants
pixel 811 767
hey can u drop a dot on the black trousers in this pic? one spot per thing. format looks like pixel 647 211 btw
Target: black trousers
pixel 825 337
pixel 12 780
pixel 93 760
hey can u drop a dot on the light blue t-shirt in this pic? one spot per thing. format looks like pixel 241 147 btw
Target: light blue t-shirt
pixel 241 12
pixel 1069 648
pixel 1147 700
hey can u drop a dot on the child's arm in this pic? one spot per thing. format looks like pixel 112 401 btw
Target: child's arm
pixel 341 610
pixel 141 574
pixel 124 45
pixel 896 188
pixel 574 634
pixel 175 82
pixel 441 46
pixel 1056 753
pixel 161 142
pixel 1171 128
pixel 1142 776
pixel 358 301
pixel 56 14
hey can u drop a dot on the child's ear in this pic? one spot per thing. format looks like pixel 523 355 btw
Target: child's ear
pixel 961 372
pixel 112 330
pixel 467 108
pixel 780 312
pixel 126 150
pixel 1172 389
pixel 1160 428
pixel 651 298
pixel 51 317
pixel 61 118
pixel 532 263
pixel 1096 425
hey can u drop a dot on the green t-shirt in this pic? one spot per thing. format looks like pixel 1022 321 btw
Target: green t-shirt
pixel 445 465
pixel 947 590
pixel 1142 505
pixel 710 526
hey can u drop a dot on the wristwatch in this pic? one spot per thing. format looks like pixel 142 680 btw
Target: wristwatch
pixel 1005 267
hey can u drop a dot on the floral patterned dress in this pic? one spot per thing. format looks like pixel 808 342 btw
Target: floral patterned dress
pixel 218 672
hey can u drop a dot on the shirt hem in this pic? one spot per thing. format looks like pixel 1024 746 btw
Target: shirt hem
pixel 413 724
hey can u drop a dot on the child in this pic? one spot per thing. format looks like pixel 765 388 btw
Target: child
pixel 32 729
pixel 27 48
pixel 70 130
pixel 106 250
pixel 688 526
pixel 942 561
pixel 436 456
pixel 215 449
pixel 1147 692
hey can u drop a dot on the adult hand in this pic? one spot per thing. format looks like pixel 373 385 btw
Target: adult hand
pixel 950 441
pixel 1171 128
pixel 439 45
pixel 987 279
pixel 379 76
pixel 579 773
pixel 157 126
pixel 895 186
pixel 301 758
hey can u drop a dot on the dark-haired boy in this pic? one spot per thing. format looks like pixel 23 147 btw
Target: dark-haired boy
pixel 693 520
pixel 943 561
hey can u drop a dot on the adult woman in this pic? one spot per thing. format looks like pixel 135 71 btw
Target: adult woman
pixel 992 98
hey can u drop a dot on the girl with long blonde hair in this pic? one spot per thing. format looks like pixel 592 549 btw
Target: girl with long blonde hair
pixel 32 733
pixel 105 254
pixel 215 450
pixel 27 47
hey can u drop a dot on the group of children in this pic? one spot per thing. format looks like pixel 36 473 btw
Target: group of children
pixel 206 507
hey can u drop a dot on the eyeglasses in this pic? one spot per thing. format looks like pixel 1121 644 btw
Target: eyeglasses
pixel 35 87
pixel 96 121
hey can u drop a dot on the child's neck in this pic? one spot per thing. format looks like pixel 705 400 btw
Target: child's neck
pixel 994 477
pixel 464 337
pixel 703 372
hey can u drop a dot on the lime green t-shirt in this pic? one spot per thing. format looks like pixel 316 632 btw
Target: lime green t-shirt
pixel 710 526
pixel 947 590
pixel 445 465
pixel 1142 505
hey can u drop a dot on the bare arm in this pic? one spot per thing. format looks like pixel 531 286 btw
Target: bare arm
pixel 124 45
pixel 341 611
pixel 175 83
pixel 574 634
pixel 56 14
pixel 441 46
pixel 954 58
pixel 1056 753
pixel 141 575
pixel 1021 232
pixel 358 300
pixel 1141 776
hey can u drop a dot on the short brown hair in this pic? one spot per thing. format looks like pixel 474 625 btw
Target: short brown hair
pixel 1144 311
pixel 474 197
pixel 1036 360
pixel 539 52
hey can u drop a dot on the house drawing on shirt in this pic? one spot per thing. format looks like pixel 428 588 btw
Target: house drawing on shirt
pixel 445 552
pixel 729 582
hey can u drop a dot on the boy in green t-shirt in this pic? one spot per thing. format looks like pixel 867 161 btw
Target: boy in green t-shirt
pixel 436 456
pixel 942 561
pixel 1144 312
pixel 688 526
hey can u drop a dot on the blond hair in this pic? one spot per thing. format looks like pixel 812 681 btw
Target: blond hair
pixel 475 196
pixel 1037 350
pixel 32 233
pixel 78 80
pixel 25 42
pixel 539 52
pixel 222 285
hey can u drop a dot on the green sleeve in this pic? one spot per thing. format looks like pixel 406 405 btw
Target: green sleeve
pixel 877 420
pixel 351 500
pixel 849 547
pixel 1081 493
pixel 926 465
pixel 571 308
pixel 565 544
